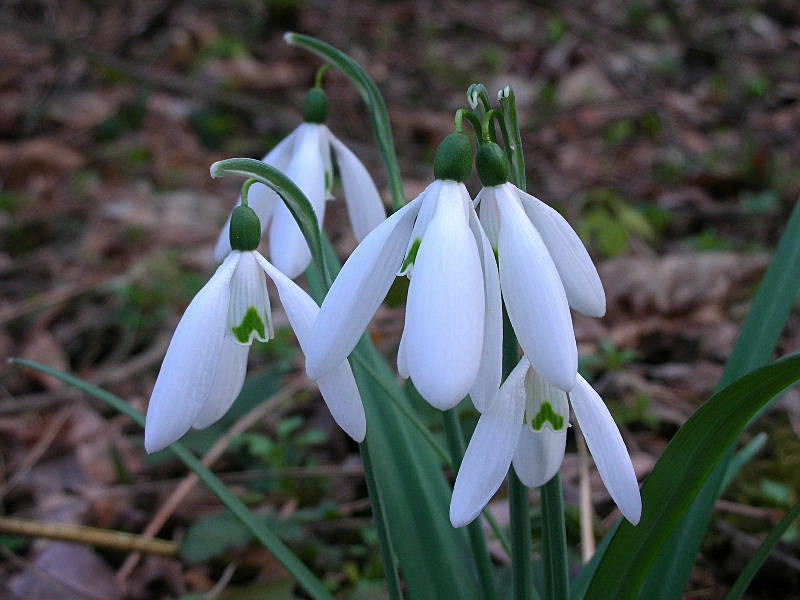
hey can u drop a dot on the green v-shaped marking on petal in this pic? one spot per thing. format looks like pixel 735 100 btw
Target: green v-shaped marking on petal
pixel 411 256
pixel 250 322
pixel 547 414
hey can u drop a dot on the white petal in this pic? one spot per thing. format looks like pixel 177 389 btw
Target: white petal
pixel 490 371
pixel 539 455
pixel 338 387
pixel 428 200
pixel 490 450
pixel 607 448
pixel 261 198
pixel 445 309
pixel 490 218
pixel 364 205
pixel 188 372
pixel 228 382
pixel 249 315
pixel 287 246
pixel 358 290
pixel 402 362
pixel 544 434
pixel 578 273
pixel 534 296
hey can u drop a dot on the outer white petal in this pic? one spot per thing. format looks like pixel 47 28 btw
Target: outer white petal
pixel 490 450
pixel 490 371
pixel 228 382
pixel 534 296
pixel 287 246
pixel 445 309
pixel 338 387
pixel 249 315
pixel 358 290
pixel 364 205
pixel 490 218
pixel 260 198
pixel 544 434
pixel 607 448
pixel 189 369
pixel 578 273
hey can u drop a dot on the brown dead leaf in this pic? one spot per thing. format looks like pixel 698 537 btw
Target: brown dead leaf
pixel 679 283
pixel 39 155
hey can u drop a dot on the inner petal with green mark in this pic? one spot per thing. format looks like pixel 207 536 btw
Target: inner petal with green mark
pixel 411 257
pixel 252 326
pixel 546 406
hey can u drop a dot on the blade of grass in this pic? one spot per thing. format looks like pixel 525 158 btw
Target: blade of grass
pixel 305 578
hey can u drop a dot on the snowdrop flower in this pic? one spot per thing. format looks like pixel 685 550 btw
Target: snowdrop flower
pixel 305 156
pixel 451 343
pixel 204 368
pixel 544 270
pixel 526 424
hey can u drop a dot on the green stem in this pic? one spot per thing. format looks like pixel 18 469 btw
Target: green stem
pixel 305 578
pixel 522 572
pixel 246 190
pixel 379 116
pixel 554 540
pixel 382 527
pixel 480 552
pixel 512 137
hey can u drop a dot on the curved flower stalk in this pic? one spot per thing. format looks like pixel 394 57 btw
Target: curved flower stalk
pixel 451 343
pixel 204 368
pixel 544 270
pixel 526 424
pixel 305 156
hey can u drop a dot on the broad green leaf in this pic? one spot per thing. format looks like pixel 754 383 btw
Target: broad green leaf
pixel 680 473
pixel 776 295
pixel 305 578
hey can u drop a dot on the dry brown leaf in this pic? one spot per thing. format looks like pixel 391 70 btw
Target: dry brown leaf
pixel 42 347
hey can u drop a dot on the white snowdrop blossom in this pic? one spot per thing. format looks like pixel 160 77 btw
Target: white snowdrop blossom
pixel 451 342
pixel 305 156
pixel 526 424
pixel 204 368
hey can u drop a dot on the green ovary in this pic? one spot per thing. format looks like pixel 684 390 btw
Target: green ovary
pixel 250 322
pixel 547 414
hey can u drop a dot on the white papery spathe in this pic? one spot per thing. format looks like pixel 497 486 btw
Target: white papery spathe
pixel 305 156
pixel 544 270
pixel 204 368
pixel 453 322
pixel 526 423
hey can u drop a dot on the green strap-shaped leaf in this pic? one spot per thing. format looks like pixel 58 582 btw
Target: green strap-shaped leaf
pixel 776 295
pixel 262 533
pixel 680 473
pixel 371 95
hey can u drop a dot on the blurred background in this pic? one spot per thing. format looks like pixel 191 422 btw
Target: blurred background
pixel 665 131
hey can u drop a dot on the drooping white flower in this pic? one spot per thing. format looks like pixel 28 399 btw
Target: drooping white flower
pixel 544 270
pixel 451 343
pixel 526 424
pixel 204 368
pixel 305 156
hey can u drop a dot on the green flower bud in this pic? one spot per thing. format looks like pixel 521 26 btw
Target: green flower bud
pixel 453 158
pixel 492 165
pixel 245 231
pixel 316 106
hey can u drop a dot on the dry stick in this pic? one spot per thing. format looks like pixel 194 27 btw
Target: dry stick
pixel 217 450
pixel 587 515
pixel 94 536
pixel 38 450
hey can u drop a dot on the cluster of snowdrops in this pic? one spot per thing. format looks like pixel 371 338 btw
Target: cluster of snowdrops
pixel 466 258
